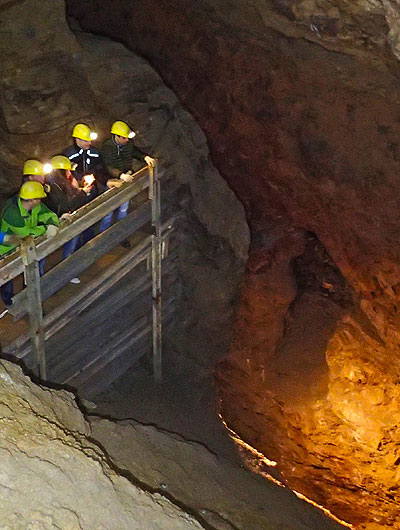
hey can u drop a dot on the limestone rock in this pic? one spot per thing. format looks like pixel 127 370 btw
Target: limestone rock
pixel 52 475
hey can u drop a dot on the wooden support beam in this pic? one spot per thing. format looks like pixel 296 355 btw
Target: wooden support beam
pixel 81 219
pixel 61 274
pixel 155 197
pixel 122 341
pixel 34 303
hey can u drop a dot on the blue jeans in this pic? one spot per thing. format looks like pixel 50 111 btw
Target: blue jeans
pixel 76 242
pixel 7 289
pixel 122 211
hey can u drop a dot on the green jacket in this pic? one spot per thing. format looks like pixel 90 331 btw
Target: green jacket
pixel 16 220
pixel 120 157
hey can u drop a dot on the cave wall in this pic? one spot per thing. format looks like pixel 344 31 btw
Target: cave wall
pixel 300 105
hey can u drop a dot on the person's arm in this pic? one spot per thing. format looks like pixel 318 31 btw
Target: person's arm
pixel 13 224
pixel 107 154
pixel 47 217
pixel 114 172
pixel 137 153
pixel 9 239
pixel 101 173
pixel 67 201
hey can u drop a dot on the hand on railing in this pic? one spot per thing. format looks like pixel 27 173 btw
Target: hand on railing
pixel 126 177
pixel 66 216
pixel 150 161
pixel 114 183
pixel 11 240
pixel 87 189
pixel 51 231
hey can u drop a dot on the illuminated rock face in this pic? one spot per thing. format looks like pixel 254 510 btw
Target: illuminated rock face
pixel 300 105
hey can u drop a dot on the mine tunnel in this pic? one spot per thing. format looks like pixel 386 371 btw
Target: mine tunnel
pixel 226 356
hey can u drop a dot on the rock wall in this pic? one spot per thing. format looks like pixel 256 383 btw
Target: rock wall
pixel 53 476
pixel 300 105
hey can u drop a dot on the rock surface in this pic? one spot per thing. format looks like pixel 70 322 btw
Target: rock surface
pixel 53 476
pixel 226 497
pixel 300 105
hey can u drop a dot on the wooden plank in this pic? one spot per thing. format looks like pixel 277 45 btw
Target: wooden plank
pixel 116 366
pixel 63 314
pixel 88 294
pixel 80 260
pixel 34 303
pixel 81 219
pixel 126 358
pixel 131 302
pixel 74 348
pixel 78 377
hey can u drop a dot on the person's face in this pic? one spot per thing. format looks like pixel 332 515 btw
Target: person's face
pixel 37 178
pixel 30 204
pixel 121 140
pixel 68 173
pixel 83 144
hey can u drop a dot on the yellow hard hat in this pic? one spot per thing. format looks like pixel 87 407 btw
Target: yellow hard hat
pixel 32 190
pixel 33 167
pixel 61 162
pixel 120 128
pixel 83 132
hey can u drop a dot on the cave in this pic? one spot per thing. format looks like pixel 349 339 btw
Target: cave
pixel 275 126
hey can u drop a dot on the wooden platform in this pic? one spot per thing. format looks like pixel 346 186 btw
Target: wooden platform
pixel 93 332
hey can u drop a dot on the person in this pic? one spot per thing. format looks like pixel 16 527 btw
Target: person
pixel 24 215
pixel 88 162
pixel 121 158
pixel 65 196
pixel 87 158
pixel 34 170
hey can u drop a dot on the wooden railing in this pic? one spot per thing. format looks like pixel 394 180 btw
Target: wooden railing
pixel 152 248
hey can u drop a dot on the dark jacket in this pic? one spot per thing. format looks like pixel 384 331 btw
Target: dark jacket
pixel 63 197
pixel 120 157
pixel 89 162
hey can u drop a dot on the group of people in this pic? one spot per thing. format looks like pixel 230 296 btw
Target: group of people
pixel 52 191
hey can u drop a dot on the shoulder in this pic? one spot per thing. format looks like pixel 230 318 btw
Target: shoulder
pixel 11 213
pixel 107 144
pixel 93 152
pixel 69 151
pixel 43 210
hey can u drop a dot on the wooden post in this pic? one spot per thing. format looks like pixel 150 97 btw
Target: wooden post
pixel 154 195
pixel 32 280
